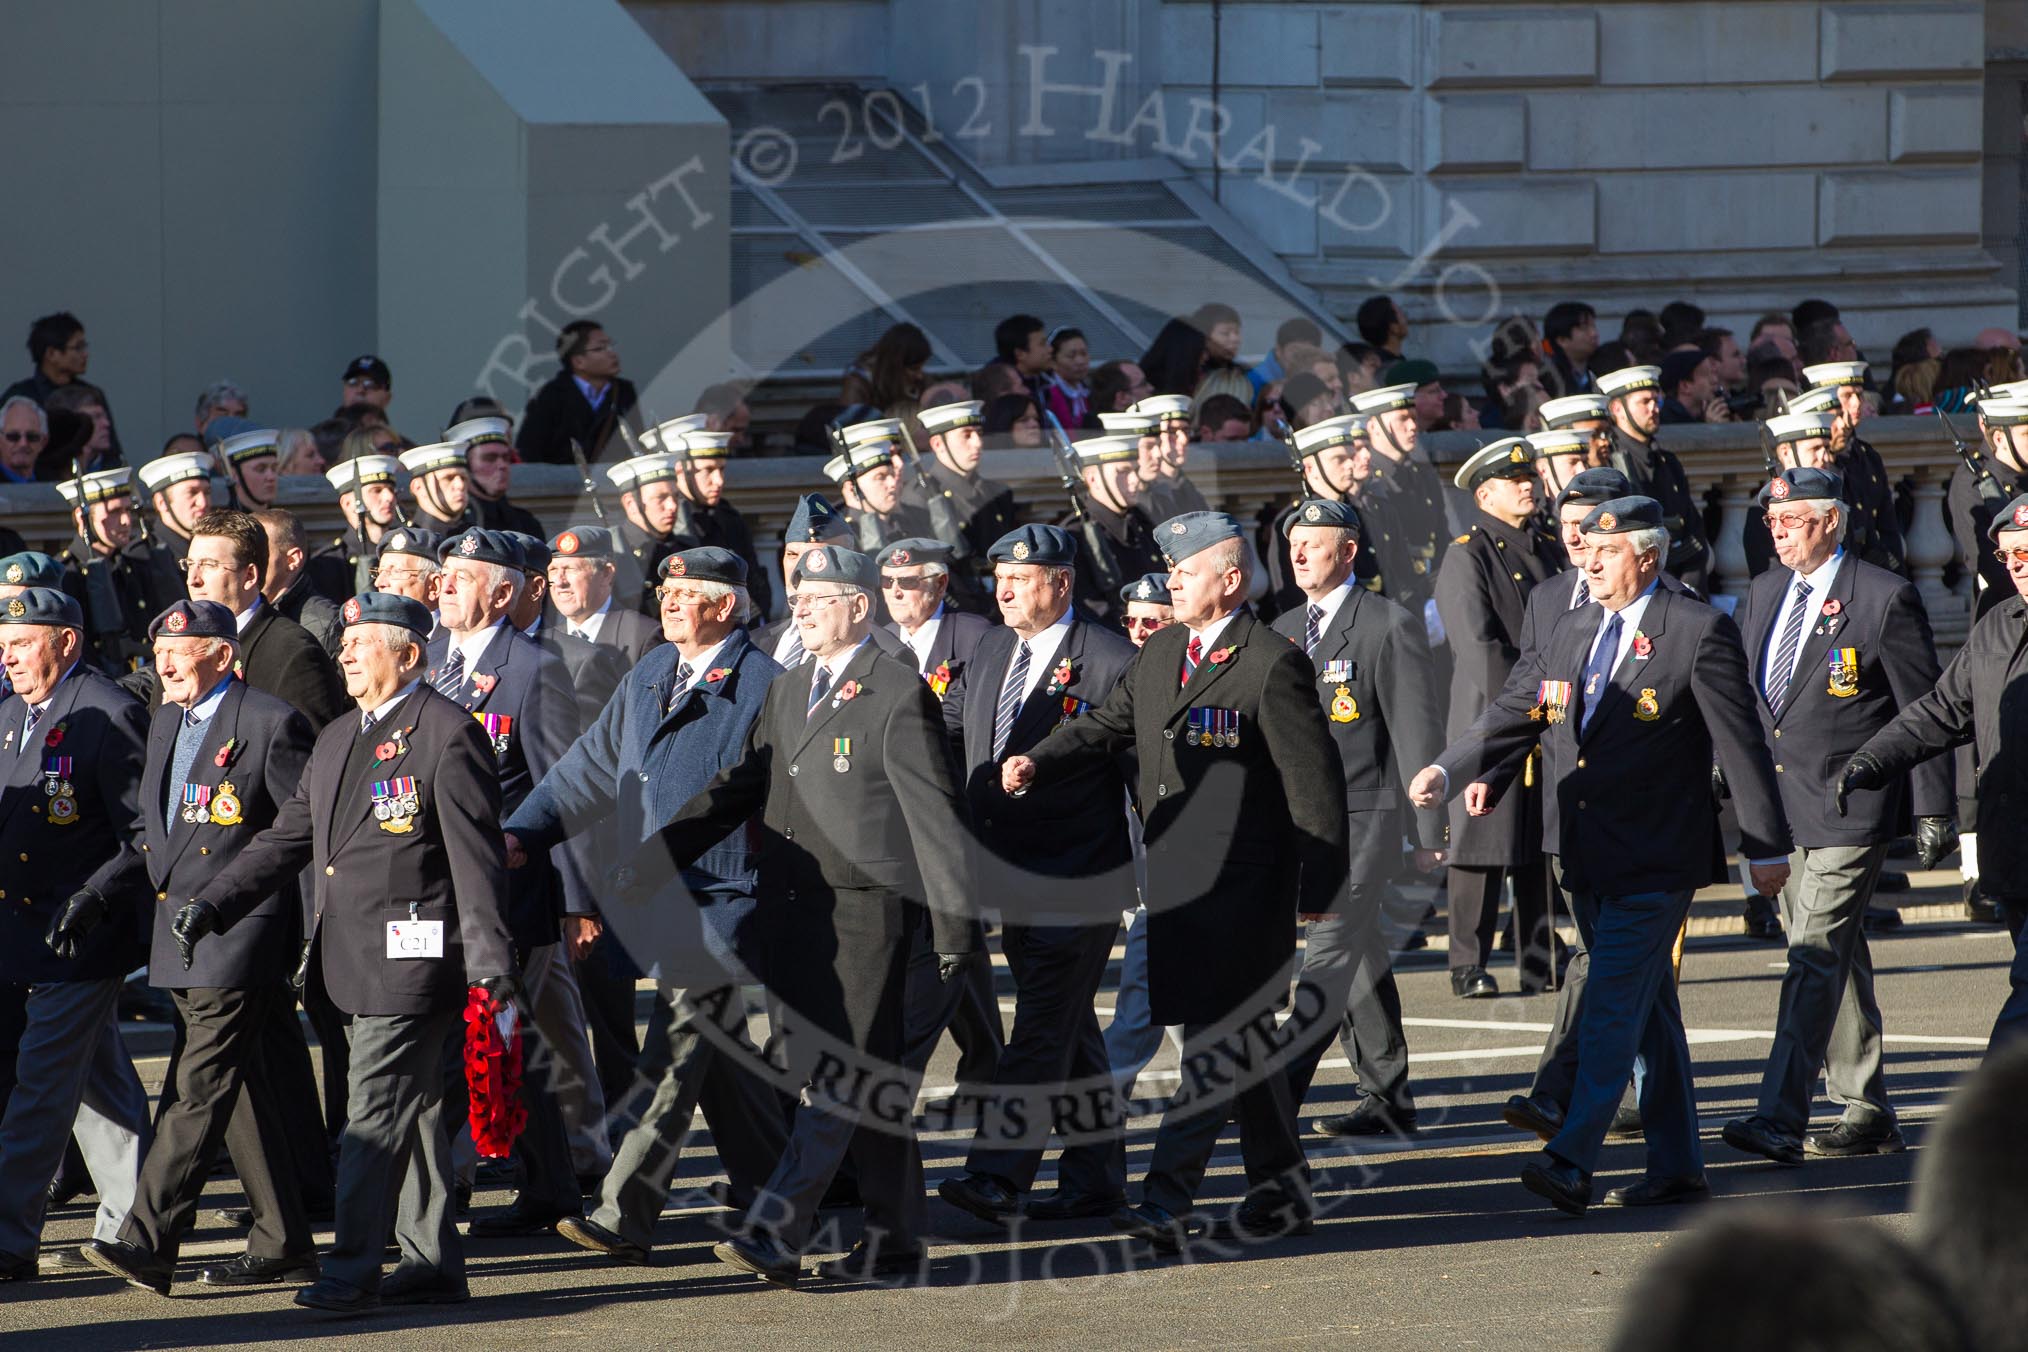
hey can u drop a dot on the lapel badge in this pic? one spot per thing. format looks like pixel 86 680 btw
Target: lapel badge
pixel 225 806
pixel 1344 709
pixel 1647 708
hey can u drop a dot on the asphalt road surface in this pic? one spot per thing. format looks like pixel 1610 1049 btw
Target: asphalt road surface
pixel 1425 1244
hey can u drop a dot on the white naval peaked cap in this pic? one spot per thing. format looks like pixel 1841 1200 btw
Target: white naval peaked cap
pixel 1329 432
pixel 641 469
pixel 99 486
pixel 1787 427
pixel 1105 450
pixel 950 417
pixel 668 436
pixel 473 431
pixel 876 429
pixel 1559 441
pixel 1130 420
pixel 1628 379
pixel 247 445
pixel 372 469
pixel 1385 399
pixel 165 470
pixel 1561 412
pixel 1495 460
pixel 1818 399
pixel 1836 373
pixel 1164 407
pixel 436 455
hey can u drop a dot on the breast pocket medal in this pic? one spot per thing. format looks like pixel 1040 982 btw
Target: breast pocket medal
pixel 499 727
pixel 225 806
pixel 1337 671
pixel 841 754
pixel 1552 701
pixel 1343 707
pixel 1844 672
pixel 395 804
pixel 56 786
pixel 196 804
pixel 1072 708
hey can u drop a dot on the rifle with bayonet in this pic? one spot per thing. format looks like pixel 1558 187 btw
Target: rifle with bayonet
pixel 1974 461
pixel 584 474
pixel 1767 449
pixel 865 523
pixel 359 559
pixel 1105 571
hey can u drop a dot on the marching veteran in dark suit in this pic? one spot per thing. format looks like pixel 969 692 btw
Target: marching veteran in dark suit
pixel 71 747
pixel 520 696
pixel 222 759
pixel 1977 700
pixel 1375 685
pixel 1835 646
pixel 1058 865
pixel 1630 697
pixel 1243 801
pixel 1482 590
pixel 581 574
pixel 679 718
pixel 398 811
pixel 915 580
pixel 860 825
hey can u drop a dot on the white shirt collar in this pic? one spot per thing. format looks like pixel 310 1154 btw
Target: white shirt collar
pixel 475 646
pixel 1826 573
pixel 384 709
pixel 589 626
pixel 1207 637
pixel 924 638
pixel 202 711
pixel 1630 623
pixel 1332 603
pixel 1042 651
pixel 245 617
pixel 43 707
pixel 705 661
pixel 838 661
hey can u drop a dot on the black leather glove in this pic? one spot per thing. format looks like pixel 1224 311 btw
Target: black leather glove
pixel 1935 837
pixel 1863 771
pixel 505 988
pixel 1719 789
pixel 299 977
pixel 192 923
pixel 81 915
pixel 949 965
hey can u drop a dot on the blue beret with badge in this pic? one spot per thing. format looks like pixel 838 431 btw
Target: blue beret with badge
pixel 1049 546
pixel 1591 487
pixel 1622 516
pixel 814 521
pixel 1323 512
pixel 375 607
pixel 833 563
pixel 1801 485
pixel 195 619
pixel 484 546
pixel 413 540
pixel 584 542
pixel 707 563
pixel 44 606
pixel 913 550
pixel 1150 589
pixel 1192 533
pixel 31 568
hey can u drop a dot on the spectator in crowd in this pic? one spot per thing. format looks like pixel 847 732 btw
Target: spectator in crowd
pixel 1957 378
pixel 24 431
pixel 1219 323
pixel 1729 371
pixel 1992 338
pixel 1774 329
pixel 61 354
pixel 1306 400
pixel 989 382
pixel 889 375
pixel 1223 418
pixel 1771 380
pixel 1067 393
pixel 86 402
pixel 1174 362
pixel 1569 337
pixel 583 402
pixel 366 380
pixel 1512 391
pixel 285 583
pixel 368 441
pixel 1359 366
pixel 1690 389
pixel 220 399
pixel 1911 348
pixel 1825 340
pixel 725 410
pixel 1383 326
pixel 1455 414
pixel 1012 421
pixel 1915 386
pixel 1298 332
pixel 1808 312
pixel 330 437
pixel 1115 387
pixel 1641 340
pixel 1021 343
pixel 1681 322
pixel 297 449
pixel 1270 418
pixel 2003 365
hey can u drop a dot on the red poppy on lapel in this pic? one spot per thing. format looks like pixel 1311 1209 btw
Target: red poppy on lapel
pixel 55 737
pixel 225 753
pixel 1832 607
pixel 1221 655
pixel 1061 677
pixel 716 674
pixel 849 690
pixel 1643 645
pixel 940 679
pixel 484 681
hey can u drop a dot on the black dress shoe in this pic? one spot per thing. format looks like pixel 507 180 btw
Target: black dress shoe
pixel 63 1191
pixel 65 1260
pixel 1164 1230
pixel 1758 1136
pixel 1846 1139
pixel 1564 1186
pixel 515 1220
pixel 1370 1118
pixel 1063 1205
pixel 987 1196
pixel 1761 921
pixel 129 1262
pixel 414 1284
pixel 1659 1192
pixel 239 1217
pixel 1259 1218
pixel 1530 1112
pixel 1472 983
pixel 1626 1124
pixel 763 1255
pixel 587 1233
pixel 1981 910
pixel 885 1264
pixel 335 1297
pixel 15 1268
pixel 247 1270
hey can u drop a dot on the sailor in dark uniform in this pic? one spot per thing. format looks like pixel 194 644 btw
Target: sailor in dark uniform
pixel 1874 532
pixel 648 535
pixel 342 570
pixel 981 509
pixel 870 483
pixel 179 491
pixel 441 486
pixel 1402 502
pixel 1118 527
pixel 1329 452
pixel 489 457
pixel 1635 401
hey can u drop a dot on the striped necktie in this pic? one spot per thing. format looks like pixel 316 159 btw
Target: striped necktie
pixel 678 690
pixel 1010 700
pixel 796 654
pixel 1313 629
pixel 1784 669
pixel 452 674
pixel 820 685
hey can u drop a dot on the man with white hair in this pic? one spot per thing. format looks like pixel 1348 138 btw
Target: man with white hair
pixel 1629 696
pixel 24 431
pixel 399 811
pixel 1835 646
pixel 582 569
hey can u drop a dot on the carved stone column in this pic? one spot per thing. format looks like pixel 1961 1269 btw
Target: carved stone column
pixel 1735 505
pixel 1929 548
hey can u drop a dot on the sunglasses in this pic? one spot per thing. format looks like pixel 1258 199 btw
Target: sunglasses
pixel 18 437
pixel 2013 555
pixel 904 583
